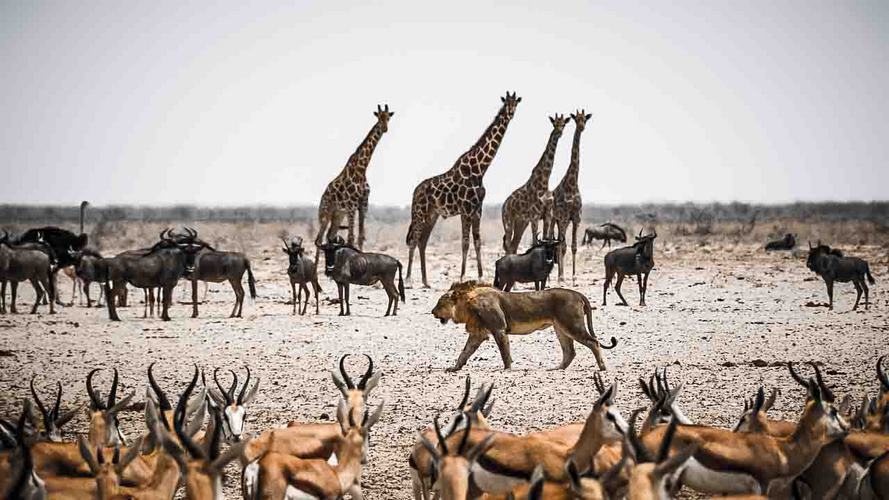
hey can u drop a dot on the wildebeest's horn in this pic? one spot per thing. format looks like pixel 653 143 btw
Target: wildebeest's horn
pixel 884 380
pixel 346 378
pixel 94 397
pixel 364 378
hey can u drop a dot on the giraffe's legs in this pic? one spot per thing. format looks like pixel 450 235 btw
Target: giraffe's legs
pixel 574 224
pixel 507 234
pixel 424 239
pixel 562 247
pixel 362 213
pixel 535 231
pixel 517 233
pixel 350 221
pixel 477 241
pixel 465 223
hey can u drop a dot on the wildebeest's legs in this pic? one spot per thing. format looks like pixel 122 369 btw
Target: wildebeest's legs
pixel 608 275
pixel 167 293
pixel 392 292
pixel 3 297
pixel 13 290
pixel 339 292
pixel 645 287
pixel 317 289
pixel 305 305
pixel 194 298
pixel 620 279
pixel 503 344
pixel 858 293
pixel 294 296
pixel 830 294
pixel 866 293
pixel 39 293
pixel 472 342
pixel 239 297
pixel 568 352
pixel 348 305
pixel 111 299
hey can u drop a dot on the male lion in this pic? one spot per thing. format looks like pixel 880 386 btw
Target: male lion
pixel 486 310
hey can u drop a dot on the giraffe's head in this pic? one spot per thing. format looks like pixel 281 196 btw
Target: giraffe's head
pixel 580 118
pixel 383 114
pixel 558 122
pixel 510 103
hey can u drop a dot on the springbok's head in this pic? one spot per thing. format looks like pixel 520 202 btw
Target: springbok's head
pixel 354 394
pixel 24 482
pixel 753 418
pixel 652 476
pixel 559 121
pixel 354 438
pixel 383 114
pixel 201 465
pixel 104 429
pixel 233 408
pixel 820 415
pixel 107 472
pixel 510 103
pixel 663 398
pixel 605 419
pixel 580 118
pixel 52 419
pixel 452 467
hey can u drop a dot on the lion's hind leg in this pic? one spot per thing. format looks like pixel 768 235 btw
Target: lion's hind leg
pixel 568 352
pixel 503 344
pixel 585 338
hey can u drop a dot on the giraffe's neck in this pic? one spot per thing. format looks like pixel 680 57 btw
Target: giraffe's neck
pixel 569 182
pixel 360 159
pixel 540 175
pixel 485 148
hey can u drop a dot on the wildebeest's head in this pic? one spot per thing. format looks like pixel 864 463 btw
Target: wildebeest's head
pixel 550 246
pixel 330 248
pixel 294 251
pixel 818 251
pixel 383 114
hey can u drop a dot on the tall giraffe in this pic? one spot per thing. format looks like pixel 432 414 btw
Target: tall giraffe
pixel 459 191
pixel 349 191
pixel 532 201
pixel 566 197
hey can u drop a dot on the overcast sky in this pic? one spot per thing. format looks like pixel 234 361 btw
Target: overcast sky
pixel 161 102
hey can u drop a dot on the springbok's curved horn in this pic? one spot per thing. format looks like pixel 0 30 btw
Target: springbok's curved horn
pixel 43 412
pixel 441 438
pixel 54 413
pixel 94 397
pixel 799 380
pixel 162 400
pixel 465 395
pixel 370 369
pixel 346 378
pixel 240 399
pixel 179 419
pixel 112 395
pixel 224 393
pixel 828 394
pixel 231 389
pixel 462 446
pixel 884 380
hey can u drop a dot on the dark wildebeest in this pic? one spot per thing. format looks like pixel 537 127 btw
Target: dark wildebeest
pixel 605 232
pixel 346 265
pixel 90 267
pixel 161 267
pixel 832 266
pixel 533 266
pixel 27 262
pixel 213 266
pixel 785 243
pixel 60 240
pixel 637 259
pixel 301 270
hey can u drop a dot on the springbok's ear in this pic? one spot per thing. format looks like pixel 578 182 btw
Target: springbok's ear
pixel 342 410
pixel 130 455
pixel 252 394
pixel 480 448
pixel 372 383
pixel 230 454
pixel 374 417
pixel 87 454
pixel 339 383
pixel 433 451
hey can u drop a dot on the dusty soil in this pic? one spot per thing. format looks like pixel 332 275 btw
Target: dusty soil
pixel 725 316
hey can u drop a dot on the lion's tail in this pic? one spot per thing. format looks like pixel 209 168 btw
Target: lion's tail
pixel 588 312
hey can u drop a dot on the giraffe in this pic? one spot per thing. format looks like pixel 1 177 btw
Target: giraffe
pixel 533 200
pixel 349 191
pixel 459 191
pixel 566 196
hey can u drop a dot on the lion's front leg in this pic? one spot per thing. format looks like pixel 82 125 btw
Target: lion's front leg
pixel 472 342
pixel 503 344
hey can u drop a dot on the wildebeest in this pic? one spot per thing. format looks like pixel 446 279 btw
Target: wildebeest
pixel 214 266
pixel 25 263
pixel 605 232
pixel 301 270
pixel 161 267
pixel 346 265
pixel 785 243
pixel 533 266
pixel 637 259
pixel 832 266
pixel 90 268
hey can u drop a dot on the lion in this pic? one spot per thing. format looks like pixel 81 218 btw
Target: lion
pixel 488 311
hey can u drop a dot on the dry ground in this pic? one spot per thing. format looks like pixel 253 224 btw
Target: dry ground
pixel 722 313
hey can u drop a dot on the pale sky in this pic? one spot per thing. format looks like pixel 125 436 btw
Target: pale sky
pixel 233 103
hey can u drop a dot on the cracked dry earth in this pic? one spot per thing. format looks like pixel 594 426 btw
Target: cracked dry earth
pixel 725 317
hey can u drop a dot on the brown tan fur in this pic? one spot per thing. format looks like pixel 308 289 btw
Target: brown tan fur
pixel 107 474
pixel 487 311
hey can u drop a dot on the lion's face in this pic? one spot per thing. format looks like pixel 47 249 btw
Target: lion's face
pixel 444 309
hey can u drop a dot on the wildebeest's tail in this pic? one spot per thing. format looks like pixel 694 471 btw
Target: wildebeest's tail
pixel 870 277
pixel 250 281
pixel 400 283
pixel 588 312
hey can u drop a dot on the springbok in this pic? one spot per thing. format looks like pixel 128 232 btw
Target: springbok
pixel 104 429
pixel 233 409
pixel 287 476
pixel 52 419
pixel 650 478
pixel 451 471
